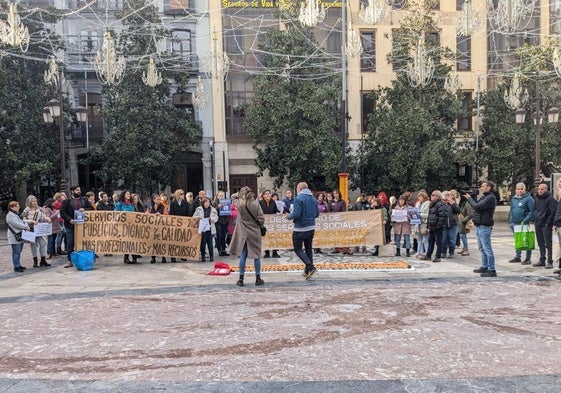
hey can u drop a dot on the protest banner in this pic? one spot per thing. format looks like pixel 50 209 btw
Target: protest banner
pixel 344 229
pixel 109 232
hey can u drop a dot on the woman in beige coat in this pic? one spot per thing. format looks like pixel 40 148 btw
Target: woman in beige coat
pixel 246 240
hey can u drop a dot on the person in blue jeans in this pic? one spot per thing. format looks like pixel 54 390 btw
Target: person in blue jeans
pixel 304 213
pixel 521 212
pixel 15 225
pixel 484 211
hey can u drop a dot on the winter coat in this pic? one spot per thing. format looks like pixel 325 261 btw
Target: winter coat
pixel 322 207
pixel 452 210
pixel 337 206
pixel 484 209
pixel 544 211
pixel 466 214
pixel 200 213
pixel 122 206
pixel 521 209
pixel 247 230
pixel 271 208
pixel 305 211
pixel 438 215
pixel 17 224
pixel 67 210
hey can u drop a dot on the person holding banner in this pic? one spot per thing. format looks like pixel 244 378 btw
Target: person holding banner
pixel 157 207
pixel 125 204
pixel 36 215
pixel 15 226
pixel 521 212
pixel 304 215
pixel 246 240
pixel 269 207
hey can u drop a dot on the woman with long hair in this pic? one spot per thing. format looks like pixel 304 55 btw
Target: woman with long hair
pixel 207 212
pixel 246 241
pixel 126 204
pixel 157 207
pixel 34 213
pixel 53 214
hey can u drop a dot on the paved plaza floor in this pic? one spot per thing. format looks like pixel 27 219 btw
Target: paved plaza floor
pixel 436 327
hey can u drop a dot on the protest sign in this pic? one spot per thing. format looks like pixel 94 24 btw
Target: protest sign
pixel 118 232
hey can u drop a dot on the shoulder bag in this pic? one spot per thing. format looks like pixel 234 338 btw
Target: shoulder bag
pixel 16 234
pixel 261 226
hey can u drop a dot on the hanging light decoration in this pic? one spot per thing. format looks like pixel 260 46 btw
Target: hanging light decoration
pixel 311 13
pixel 216 62
pixel 452 83
pixel 152 77
pixel 51 75
pixel 509 15
pixel 199 98
pixel 13 32
pixel 421 70
pixel 354 44
pixel 556 58
pixel 469 21
pixel 372 12
pixel 515 97
pixel 110 69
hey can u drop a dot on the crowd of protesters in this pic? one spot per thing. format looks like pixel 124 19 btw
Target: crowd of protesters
pixel 415 223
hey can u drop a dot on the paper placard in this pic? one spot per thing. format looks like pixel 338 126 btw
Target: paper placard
pixel 225 207
pixel 204 225
pixel 28 236
pixel 78 217
pixel 43 229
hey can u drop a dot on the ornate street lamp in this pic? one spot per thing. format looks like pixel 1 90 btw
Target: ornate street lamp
pixel 152 77
pixel 13 32
pixel 109 67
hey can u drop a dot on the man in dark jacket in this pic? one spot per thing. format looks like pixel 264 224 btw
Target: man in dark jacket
pixel 484 211
pixel 557 230
pixel 438 216
pixel 304 215
pixel 544 213
pixel 75 203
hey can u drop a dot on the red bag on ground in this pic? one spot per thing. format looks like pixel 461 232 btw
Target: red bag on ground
pixel 220 269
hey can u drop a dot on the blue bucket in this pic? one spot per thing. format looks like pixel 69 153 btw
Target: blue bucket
pixel 83 259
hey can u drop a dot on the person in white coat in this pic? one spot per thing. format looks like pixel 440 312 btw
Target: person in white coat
pixel 207 229
pixel 15 226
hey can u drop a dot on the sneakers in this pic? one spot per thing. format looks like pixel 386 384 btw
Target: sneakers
pixel 311 272
pixel 465 252
pixel 526 262
pixel 549 265
pixel 435 260
pixel 425 258
pixel 480 270
pixel 69 264
pixel 515 260
pixel 539 264
pixel 489 273
pixel 19 269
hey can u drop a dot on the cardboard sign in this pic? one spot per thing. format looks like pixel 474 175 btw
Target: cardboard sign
pixel 118 232
pixel 345 229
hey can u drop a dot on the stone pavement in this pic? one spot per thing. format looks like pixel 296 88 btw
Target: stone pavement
pixel 170 327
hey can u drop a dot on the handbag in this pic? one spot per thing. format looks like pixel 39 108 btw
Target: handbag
pixel 16 234
pixel 524 238
pixel 261 226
